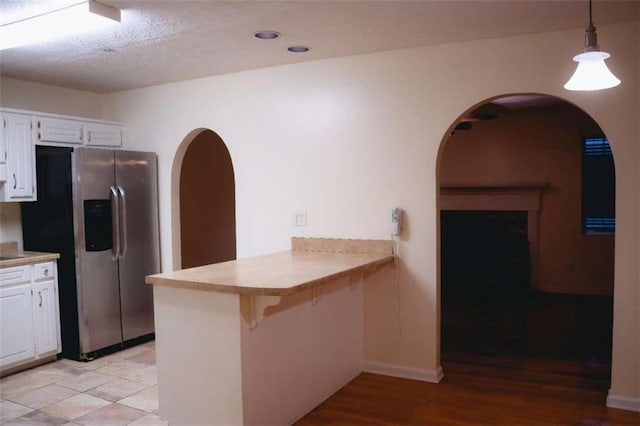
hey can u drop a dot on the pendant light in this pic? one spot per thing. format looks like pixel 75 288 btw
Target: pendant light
pixel 592 73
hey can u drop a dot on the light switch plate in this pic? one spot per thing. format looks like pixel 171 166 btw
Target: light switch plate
pixel 300 218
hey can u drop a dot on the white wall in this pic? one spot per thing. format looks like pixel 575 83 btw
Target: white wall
pixel 41 97
pixel 349 138
pixel 10 226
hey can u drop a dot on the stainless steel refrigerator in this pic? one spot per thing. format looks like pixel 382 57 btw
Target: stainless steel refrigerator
pixel 98 208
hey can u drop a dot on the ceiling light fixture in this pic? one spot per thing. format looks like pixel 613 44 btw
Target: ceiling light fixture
pixel 83 16
pixel 267 35
pixel 298 49
pixel 592 73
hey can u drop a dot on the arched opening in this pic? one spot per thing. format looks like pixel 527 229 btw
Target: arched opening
pixel 203 201
pixel 527 195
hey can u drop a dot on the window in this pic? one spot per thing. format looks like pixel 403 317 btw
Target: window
pixel 598 187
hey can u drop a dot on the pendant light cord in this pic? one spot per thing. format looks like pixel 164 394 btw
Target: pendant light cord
pixel 590 37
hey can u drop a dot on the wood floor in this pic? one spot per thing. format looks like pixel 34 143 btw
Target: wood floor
pixel 539 360
pixel 515 393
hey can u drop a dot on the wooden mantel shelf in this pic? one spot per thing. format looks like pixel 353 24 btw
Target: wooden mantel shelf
pixel 496 188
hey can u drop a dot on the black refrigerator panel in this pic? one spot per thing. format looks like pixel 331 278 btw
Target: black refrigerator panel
pixel 98 227
pixel 48 227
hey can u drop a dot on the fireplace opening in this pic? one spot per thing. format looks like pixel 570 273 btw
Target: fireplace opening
pixel 485 251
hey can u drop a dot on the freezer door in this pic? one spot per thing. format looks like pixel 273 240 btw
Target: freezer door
pixel 136 181
pixel 96 260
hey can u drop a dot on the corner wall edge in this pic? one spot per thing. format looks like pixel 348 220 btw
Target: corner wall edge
pixel 404 372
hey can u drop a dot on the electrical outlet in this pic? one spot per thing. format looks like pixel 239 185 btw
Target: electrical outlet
pixel 300 218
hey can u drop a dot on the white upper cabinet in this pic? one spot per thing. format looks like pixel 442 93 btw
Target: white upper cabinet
pixel 103 135
pixel 56 131
pixel 22 130
pixel 59 130
pixel 19 184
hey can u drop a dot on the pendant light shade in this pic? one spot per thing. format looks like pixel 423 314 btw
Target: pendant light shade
pixel 592 73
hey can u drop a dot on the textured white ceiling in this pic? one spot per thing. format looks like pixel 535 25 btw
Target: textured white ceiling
pixel 161 41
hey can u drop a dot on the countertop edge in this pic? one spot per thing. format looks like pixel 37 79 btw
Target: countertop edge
pixel 264 291
pixel 28 258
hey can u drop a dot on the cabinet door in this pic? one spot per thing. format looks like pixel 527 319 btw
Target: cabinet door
pixel 59 130
pixel 103 135
pixel 3 153
pixel 20 183
pixel 16 324
pixel 45 302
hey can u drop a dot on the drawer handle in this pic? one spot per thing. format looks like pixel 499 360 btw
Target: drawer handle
pixel 45 271
pixel 15 181
pixel 40 296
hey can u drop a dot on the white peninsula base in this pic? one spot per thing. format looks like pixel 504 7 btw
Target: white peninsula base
pixel 244 357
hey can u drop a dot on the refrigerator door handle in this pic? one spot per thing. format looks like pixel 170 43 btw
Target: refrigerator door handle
pixel 123 222
pixel 116 223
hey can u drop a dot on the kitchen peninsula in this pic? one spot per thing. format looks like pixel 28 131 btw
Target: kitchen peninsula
pixel 262 340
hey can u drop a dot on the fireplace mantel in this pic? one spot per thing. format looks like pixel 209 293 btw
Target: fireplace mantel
pixel 515 197
pixel 496 188
pixel 527 197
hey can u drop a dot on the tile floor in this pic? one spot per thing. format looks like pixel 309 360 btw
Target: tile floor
pixel 118 389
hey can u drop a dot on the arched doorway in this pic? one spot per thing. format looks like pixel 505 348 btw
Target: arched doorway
pixel 204 195
pixel 525 275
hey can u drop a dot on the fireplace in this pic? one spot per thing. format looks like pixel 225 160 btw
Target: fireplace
pixel 511 205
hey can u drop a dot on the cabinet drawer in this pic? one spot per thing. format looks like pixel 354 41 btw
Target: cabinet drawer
pixel 43 271
pixel 15 275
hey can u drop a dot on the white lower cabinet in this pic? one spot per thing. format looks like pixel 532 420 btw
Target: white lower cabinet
pixel 29 314
pixel 45 316
pixel 17 325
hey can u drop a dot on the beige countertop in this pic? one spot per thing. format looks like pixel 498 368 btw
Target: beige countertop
pixel 281 273
pixel 28 258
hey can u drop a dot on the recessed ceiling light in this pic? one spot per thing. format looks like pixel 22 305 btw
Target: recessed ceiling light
pixel 298 49
pixel 267 35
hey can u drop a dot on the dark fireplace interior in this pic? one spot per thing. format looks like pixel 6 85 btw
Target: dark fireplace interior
pixel 489 308
pixel 485 250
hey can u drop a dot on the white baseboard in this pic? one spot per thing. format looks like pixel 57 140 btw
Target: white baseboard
pixel 623 402
pixel 422 374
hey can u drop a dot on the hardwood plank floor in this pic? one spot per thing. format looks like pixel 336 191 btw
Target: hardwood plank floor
pixel 490 391
pixel 513 360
